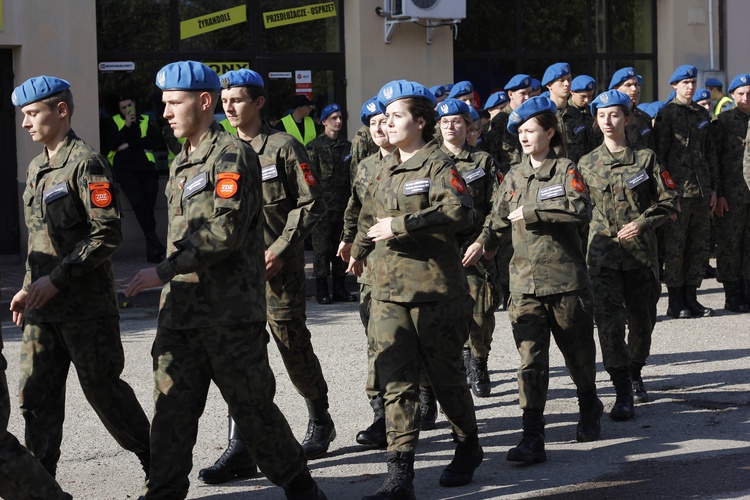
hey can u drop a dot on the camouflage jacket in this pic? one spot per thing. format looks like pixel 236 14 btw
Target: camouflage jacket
pixel 292 197
pixel 639 131
pixel 366 172
pixel 576 134
pixel 431 210
pixel 730 132
pixel 478 171
pixel 214 273
pixel 72 211
pixel 682 138
pixel 332 159
pixel 632 188
pixel 362 147
pixel 547 249
pixel 501 144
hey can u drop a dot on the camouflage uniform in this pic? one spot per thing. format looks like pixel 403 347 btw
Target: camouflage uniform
pixel 681 134
pixel 292 205
pixel 624 273
pixel 21 475
pixel 72 212
pixel 366 171
pixel 548 280
pixel 638 131
pixel 421 306
pixel 211 318
pixel 362 147
pixel 332 159
pixel 575 134
pixel 733 249
pixel 477 169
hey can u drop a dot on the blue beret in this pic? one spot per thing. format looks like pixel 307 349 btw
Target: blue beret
pixel 401 89
pixel 656 107
pixel 645 107
pixel 448 87
pixel 621 76
pixel 461 88
pixel 369 109
pixel 241 78
pixel 518 82
pixel 671 96
pixel 582 83
pixel 701 95
pixel 683 73
pixel 530 108
pixel 608 99
pixel 714 82
pixel 438 91
pixel 496 99
pixel 187 75
pixel 738 81
pixel 329 110
pixel 544 94
pixel 452 106
pixel 37 88
pixel 473 113
pixel 535 85
pixel 557 70
pixel 640 80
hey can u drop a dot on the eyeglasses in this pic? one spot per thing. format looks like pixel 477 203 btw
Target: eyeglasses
pixel 451 123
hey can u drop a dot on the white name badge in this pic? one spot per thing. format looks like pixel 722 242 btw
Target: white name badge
pixel 269 172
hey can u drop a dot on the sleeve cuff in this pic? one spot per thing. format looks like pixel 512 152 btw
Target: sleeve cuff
pixel 398 225
pixel 529 214
pixel 166 270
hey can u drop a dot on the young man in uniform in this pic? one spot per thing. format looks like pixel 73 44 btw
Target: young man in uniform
pixel 638 131
pixel 575 134
pixel 733 204
pixel 330 152
pixel 292 205
pixel 213 307
pixel 68 306
pixel 681 134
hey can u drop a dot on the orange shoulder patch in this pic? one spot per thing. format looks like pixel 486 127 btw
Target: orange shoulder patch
pixel 457 181
pixel 308 175
pixel 101 196
pixel 578 185
pixel 668 180
pixel 500 178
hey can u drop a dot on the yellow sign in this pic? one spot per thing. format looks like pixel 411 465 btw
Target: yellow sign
pixel 1 15
pixel 277 18
pixel 224 66
pixel 213 21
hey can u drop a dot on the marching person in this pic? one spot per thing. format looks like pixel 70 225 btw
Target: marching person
pixel 421 307
pixel 576 137
pixel 213 306
pixel 68 304
pixel 630 198
pixel 543 202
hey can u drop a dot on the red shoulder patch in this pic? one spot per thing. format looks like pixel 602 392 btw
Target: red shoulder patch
pixel 100 194
pixel 668 179
pixel 578 185
pixel 308 174
pixel 500 178
pixel 457 181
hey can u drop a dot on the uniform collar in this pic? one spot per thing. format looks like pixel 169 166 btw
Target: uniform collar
pixel 464 154
pixel 63 152
pixel 608 158
pixel 259 141
pixel 206 145
pixel 416 161
pixel 544 172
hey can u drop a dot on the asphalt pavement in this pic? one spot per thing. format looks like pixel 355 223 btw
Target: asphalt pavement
pixel 690 441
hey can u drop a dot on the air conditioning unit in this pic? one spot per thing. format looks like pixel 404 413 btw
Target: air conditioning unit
pixel 426 9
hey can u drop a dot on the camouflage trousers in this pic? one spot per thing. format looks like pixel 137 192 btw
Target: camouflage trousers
pixel 95 349
pixel 620 298
pixel 687 243
pixel 482 325
pixel 568 316
pixel 406 337
pixel 372 388
pixel 285 307
pixel 235 358
pixel 326 236
pixel 733 248
pixel 21 475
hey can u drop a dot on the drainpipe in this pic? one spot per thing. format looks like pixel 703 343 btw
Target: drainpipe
pixel 711 32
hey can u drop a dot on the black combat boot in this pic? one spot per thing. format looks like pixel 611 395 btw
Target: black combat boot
pixel 466 352
pixel 696 308
pixel 466 459
pixel 531 448
pixel 320 429
pixel 304 487
pixel 506 295
pixel 399 483
pixel 676 307
pixel 733 298
pixel 623 408
pixel 745 291
pixel 427 408
pixel 639 390
pixel 155 251
pixel 375 434
pixel 321 294
pixel 144 458
pixel 590 410
pixel 235 463
pixel 481 384
pixel 339 291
